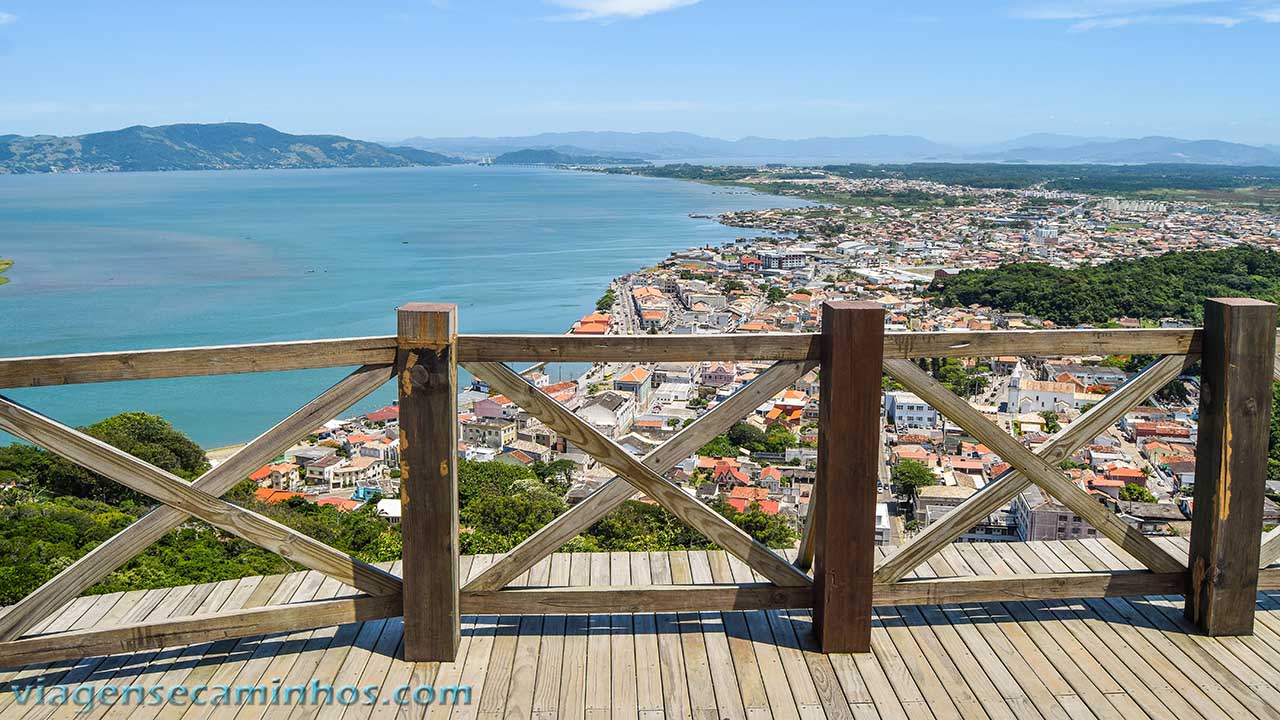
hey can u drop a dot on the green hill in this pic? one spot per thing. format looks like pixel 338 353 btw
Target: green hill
pixel 555 157
pixel 220 146
pixel 1171 285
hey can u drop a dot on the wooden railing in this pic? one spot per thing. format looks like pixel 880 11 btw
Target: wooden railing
pixel 1236 348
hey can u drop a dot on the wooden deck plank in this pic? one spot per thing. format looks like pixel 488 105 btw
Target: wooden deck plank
pixel 102 606
pixel 724 680
pixel 1118 662
pixel 65 618
pixel 599 688
pixel 1026 695
pixel 675 687
pixel 751 689
pixel 1152 668
pixel 1112 658
pixel 697 663
pixel 1069 661
pixel 781 702
pixel 648 670
pixel 546 690
pixel 1213 682
pixel 476 666
pixel 622 647
pixel 524 669
pixel 935 675
pixel 1052 694
pixel 451 673
pixel 573 678
pixel 172 666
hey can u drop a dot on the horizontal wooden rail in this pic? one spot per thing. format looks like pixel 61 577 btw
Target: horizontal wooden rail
pixel 194 361
pixel 805 346
pixel 196 629
pixel 78 644
pixel 306 354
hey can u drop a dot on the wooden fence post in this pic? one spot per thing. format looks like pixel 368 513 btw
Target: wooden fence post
pixel 1231 464
pixel 427 378
pixel 848 456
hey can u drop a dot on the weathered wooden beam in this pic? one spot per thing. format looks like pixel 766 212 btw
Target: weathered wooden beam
pixel 1039 470
pixel 1270 550
pixel 634 599
pixel 1001 491
pixel 305 354
pixel 1231 464
pixel 695 514
pixel 793 346
pixel 428 370
pixel 194 361
pixel 613 493
pixel 212 627
pixel 103 559
pixel 1018 588
pixel 844 530
pixel 110 462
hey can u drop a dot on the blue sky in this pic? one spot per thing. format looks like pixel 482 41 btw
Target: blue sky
pixel 966 71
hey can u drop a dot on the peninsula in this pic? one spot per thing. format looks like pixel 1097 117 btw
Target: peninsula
pixel 189 146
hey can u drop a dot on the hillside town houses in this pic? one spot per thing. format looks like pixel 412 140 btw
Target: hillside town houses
pixel 777 282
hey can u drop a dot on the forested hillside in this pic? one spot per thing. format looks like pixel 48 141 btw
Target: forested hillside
pixel 1171 285
pixel 52 512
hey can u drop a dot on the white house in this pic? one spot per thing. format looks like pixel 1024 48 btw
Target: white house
pixel 906 409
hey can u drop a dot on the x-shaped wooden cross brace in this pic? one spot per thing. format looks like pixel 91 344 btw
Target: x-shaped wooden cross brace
pixel 1029 467
pixel 148 529
pixel 640 474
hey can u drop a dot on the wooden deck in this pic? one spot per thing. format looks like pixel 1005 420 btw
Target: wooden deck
pixel 1107 658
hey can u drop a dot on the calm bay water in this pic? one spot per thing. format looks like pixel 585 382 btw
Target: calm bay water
pixel 150 260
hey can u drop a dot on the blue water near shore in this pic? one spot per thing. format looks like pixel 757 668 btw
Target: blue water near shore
pixel 151 260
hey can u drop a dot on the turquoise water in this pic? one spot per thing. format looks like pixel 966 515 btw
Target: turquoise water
pixel 150 260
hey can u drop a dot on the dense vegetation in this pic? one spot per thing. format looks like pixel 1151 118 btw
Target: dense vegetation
pixel 1155 179
pixel 52 512
pixel 684 171
pixel 1171 285
pixel 216 146
pixel 1102 179
pixel 554 157
pixel 743 436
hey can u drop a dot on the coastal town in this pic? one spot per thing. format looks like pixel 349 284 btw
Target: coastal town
pixel 776 280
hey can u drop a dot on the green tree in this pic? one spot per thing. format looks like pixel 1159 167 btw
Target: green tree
pixel 771 530
pixel 1136 493
pixel 746 435
pixel 557 474
pixel 605 303
pixel 1051 424
pixel 910 476
pixel 146 437
pixel 719 446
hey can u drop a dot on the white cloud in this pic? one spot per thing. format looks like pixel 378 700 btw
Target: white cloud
pixel 1267 14
pixel 1087 9
pixel 1105 23
pixel 617 9
pixel 1085 15
pixel 8 18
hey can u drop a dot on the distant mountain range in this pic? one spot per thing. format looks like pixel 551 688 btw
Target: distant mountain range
pixel 1035 148
pixel 219 146
pixel 234 146
pixel 554 157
